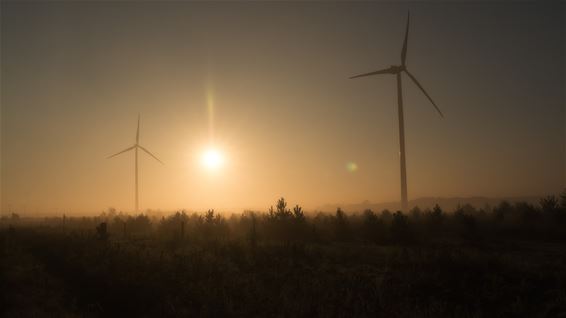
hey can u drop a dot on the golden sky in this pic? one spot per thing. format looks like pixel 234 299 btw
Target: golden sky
pixel 266 84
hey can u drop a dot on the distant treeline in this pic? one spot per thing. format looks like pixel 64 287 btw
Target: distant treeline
pixel 292 225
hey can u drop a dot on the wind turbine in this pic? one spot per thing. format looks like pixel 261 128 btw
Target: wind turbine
pixel 397 70
pixel 135 147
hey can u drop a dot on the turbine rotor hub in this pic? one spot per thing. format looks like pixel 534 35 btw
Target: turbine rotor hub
pixel 397 68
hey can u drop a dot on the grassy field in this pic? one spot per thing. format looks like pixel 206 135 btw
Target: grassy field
pixel 506 261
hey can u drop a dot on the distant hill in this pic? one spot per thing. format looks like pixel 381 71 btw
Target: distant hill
pixel 447 204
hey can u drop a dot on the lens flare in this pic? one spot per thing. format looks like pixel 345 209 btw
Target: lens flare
pixel 352 166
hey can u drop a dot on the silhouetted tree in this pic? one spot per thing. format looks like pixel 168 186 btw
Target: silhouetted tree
pixel 386 216
pixel 466 222
pixel 209 216
pixel 502 211
pixel 175 226
pixel 298 213
pixel 549 204
pixel 552 208
pixel 400 231
pixel 342 227
pixel 101 231
pixel 529 216
pixel 253 232
pixel 563 199
pixel 435 218
pixel 282 211
pixel 416 213
pixel 139 225
pixel 372 228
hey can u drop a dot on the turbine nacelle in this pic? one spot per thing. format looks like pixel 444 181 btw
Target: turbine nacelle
pixel 396 69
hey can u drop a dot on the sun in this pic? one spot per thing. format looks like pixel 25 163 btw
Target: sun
pixel 212 159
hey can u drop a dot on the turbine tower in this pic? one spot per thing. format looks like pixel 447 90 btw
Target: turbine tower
pixel 135 147
pixel 397 70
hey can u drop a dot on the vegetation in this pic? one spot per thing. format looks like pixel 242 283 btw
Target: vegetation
pixel 504 261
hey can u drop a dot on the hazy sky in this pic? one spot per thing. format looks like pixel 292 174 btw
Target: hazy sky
pixel 270 80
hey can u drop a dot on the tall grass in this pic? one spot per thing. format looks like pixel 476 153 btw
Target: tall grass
pixel 471 262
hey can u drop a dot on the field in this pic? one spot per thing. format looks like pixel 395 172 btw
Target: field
pixel 505 261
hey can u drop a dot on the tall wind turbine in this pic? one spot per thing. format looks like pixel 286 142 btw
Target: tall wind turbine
pixel 135 147
pixel 397 70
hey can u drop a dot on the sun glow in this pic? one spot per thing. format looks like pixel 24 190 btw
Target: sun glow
pixel 212 159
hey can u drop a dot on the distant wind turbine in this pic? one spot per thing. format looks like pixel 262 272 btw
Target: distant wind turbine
pixel 135 147
pixel 397 70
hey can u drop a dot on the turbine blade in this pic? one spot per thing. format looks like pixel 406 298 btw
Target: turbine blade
pixel 383 71
pixel 422 89
pixel 127 149
pixel 138 131
pixel 149 153
pixel 404 50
